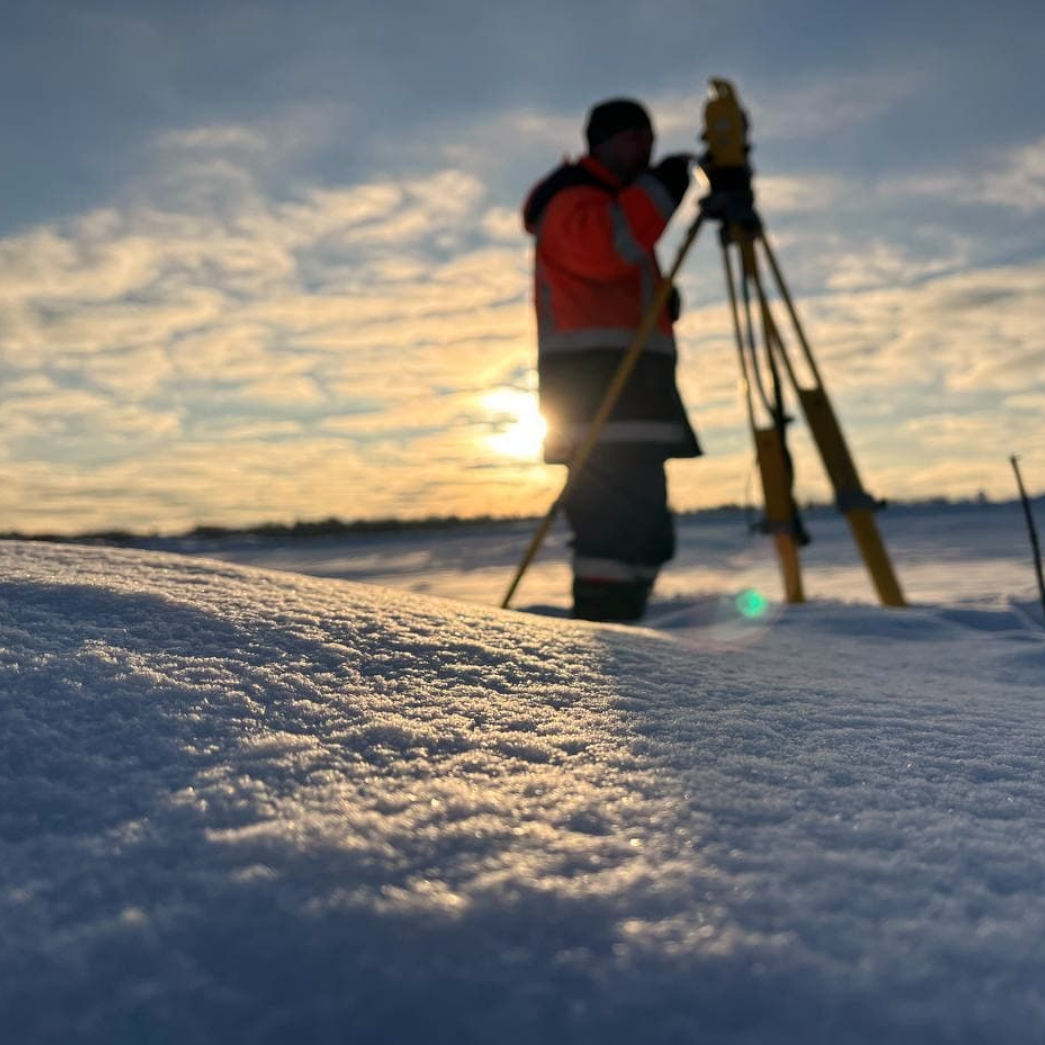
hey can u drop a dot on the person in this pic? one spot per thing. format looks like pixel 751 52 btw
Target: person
pixel 595 224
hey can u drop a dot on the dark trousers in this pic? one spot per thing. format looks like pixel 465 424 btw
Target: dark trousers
pixel 623 530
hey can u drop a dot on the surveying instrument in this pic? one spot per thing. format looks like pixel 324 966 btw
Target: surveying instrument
pixel 765 362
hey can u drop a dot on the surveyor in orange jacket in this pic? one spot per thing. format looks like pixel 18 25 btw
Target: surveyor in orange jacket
pixel 595 223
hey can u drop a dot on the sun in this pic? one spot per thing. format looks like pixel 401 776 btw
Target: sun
pixel 518 428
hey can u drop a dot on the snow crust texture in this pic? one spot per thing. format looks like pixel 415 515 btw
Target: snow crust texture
pixel 249 806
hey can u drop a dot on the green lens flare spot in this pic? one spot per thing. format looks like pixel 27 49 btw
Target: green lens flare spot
pixel 751 604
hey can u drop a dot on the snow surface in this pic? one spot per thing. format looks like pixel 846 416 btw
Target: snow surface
pixel 248 805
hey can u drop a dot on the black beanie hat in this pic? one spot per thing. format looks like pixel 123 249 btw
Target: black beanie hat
pixel 610 117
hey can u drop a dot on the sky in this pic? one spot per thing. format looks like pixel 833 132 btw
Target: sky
pixel 263 262
pixel 250 805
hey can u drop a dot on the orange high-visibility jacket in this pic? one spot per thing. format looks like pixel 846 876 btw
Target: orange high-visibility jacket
pixel 595 275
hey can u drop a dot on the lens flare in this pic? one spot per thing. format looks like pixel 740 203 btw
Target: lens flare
pixel 751 604
pixel 715 622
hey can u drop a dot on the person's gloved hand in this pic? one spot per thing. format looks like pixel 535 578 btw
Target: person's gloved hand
pixel 673 173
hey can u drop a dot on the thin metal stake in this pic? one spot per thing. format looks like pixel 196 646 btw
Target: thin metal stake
pixel 1032 530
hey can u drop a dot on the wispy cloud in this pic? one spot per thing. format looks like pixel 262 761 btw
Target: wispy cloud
pixel 215 323
pixel 919 372
pixel 1013 179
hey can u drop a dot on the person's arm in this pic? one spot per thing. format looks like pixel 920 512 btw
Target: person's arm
pixel 599 236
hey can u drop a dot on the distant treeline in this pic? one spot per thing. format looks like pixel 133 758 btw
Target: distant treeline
pixel 334 527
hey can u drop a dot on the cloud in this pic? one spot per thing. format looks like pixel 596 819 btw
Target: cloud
pixel 222 138
pixel 800 195
pixel 800 109
pixel 1015 179
pixel 918 373
pixel 502 224
pixel 88 264
pixel 881 263
pixel 262 336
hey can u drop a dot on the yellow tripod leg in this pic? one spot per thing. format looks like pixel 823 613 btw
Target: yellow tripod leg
pixel 775 490
pixel 854 502
pixel 876 559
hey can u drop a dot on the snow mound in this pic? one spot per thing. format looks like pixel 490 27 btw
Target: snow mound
pixel 249 806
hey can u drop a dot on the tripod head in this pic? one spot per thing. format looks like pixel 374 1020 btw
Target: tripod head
pixel 725 161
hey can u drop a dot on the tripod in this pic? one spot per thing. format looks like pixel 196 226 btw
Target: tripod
pixel 764 363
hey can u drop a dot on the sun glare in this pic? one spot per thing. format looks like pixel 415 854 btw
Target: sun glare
pixel 518 428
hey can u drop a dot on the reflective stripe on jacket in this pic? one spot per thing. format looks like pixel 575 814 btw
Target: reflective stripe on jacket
pixel 595 276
